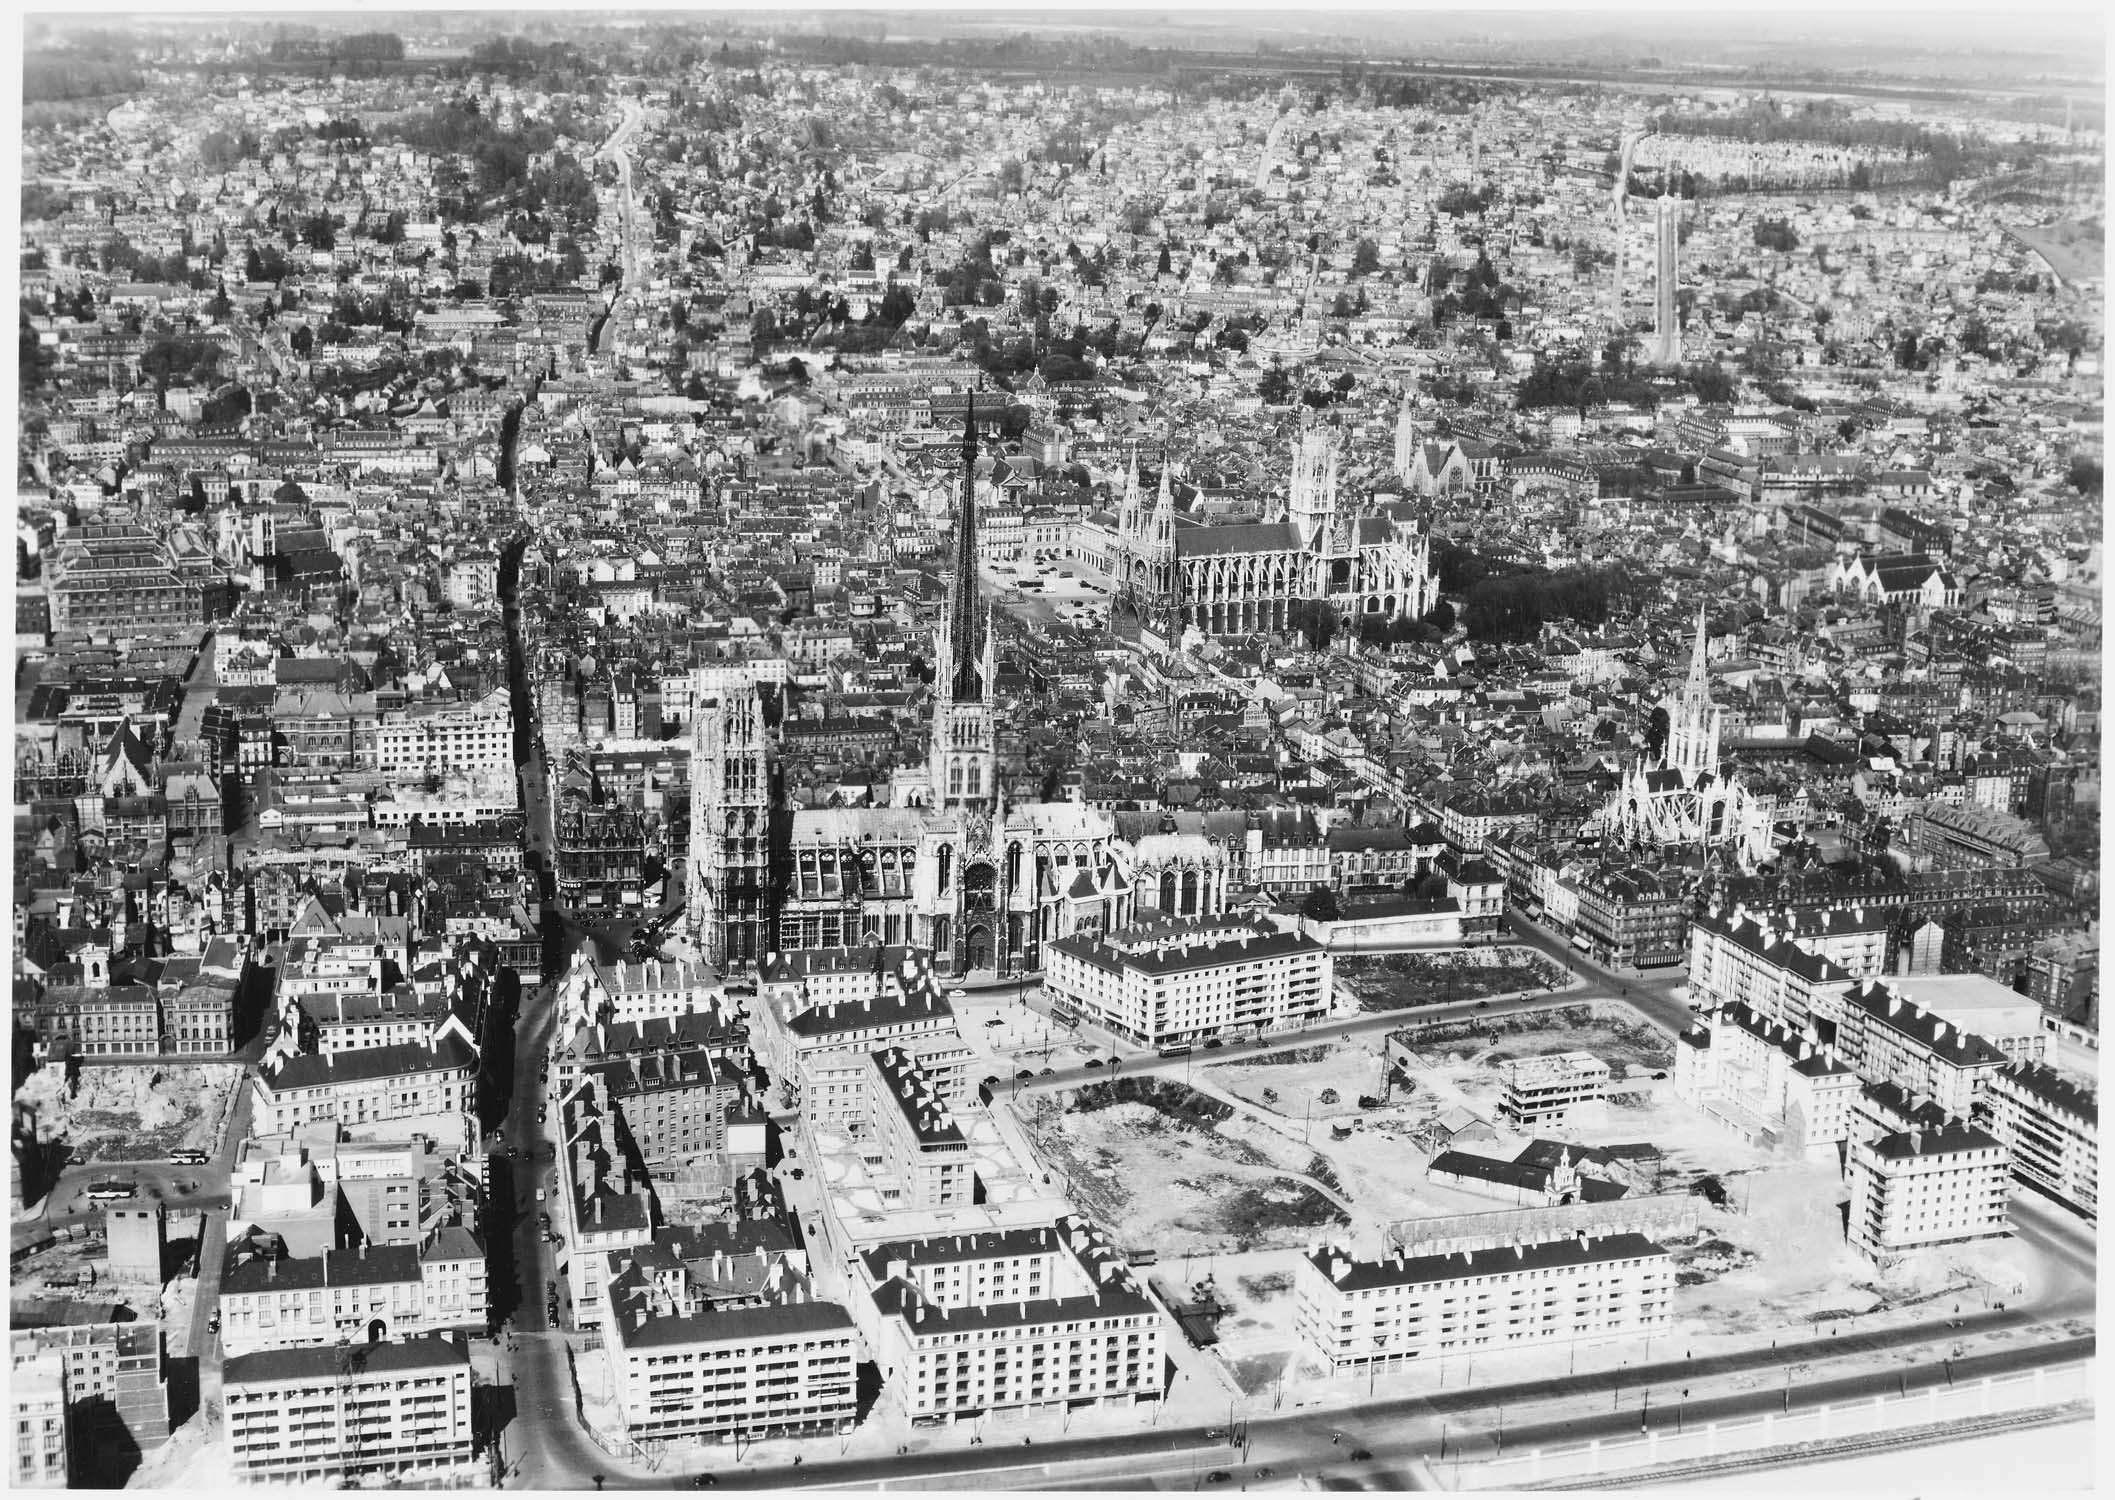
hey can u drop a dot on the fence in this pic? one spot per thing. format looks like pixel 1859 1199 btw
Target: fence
pixel 2044 1386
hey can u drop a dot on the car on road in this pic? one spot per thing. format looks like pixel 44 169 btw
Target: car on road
pixel 1094 1062
pixel 1263 1473
pixel 798 1173
pixel 1215 1434
pixel 189 1158
pixel 1360 1455
pixel 1212 1041
pixel 1024 1073
pixel 996 1021
pixel 957 996
pixel 705 1481
pixel 1048 1071
pixel 1483 1005
pixel 1217 1476
pixel 1658 1077
pixel 539 1195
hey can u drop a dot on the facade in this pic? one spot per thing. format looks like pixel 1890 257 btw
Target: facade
pixel 371 1293
pixel 980 882
pixel 1738 960
pixel 1355 1314
pixel 1768 1083
pixel 2051 1128
pixel 315 1415
pixel 973 1323
pixel 1915 1189
pixel 1886 1036
pixel 434 739
pixel 1182 981
pixel 382 1093
pixel 117 1384
pixel 1544 1090
pixel 1686 800
pixel 1235 579
pixel 739 1372
pixel 1631 917
pixel 36 1399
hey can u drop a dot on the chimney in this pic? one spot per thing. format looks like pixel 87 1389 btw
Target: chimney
pixel 1916 1140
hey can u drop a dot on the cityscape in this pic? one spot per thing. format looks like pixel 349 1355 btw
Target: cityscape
pixel 1058 751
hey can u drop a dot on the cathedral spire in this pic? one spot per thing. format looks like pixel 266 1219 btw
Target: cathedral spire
pixel 1698 688
pixel 962 622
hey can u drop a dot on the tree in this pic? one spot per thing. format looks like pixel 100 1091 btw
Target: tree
pixel 303 340
pixel 1275 386
pixel 1366 257
pixel 1320 905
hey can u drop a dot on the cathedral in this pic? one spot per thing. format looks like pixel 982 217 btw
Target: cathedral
pixel 955 869
pixel 1233 579
pixel 1686 799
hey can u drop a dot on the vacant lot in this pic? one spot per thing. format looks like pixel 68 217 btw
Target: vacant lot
pixel 1141 1167
pixel 1401 981
pixel 132 1112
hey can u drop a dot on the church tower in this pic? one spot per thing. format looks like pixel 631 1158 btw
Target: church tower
pixel 730 820
pixel 1692 719
pixel 963 759
pixel 1312 501
pixel 1405 442
pixel 1157 546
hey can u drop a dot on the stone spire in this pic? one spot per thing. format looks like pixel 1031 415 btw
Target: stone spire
pixel 962 613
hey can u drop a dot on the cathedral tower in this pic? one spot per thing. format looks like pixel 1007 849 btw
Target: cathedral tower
pixel 963 758
pixel 730 822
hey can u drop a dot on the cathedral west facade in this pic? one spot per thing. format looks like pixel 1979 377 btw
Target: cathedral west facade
pixel 981 882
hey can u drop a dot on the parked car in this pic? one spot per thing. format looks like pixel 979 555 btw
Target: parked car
pixel 1094 1062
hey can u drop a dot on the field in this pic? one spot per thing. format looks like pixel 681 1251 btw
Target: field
pixel 2076 252
pixel 132 1112
pixel 1402 981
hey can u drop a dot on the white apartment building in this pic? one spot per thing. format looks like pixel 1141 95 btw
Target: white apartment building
pixel 374 1292
pixel 1769 1084
pixel 1887 1037
pixel 976 1322
pixel 1738 960
pixel 308 1416
pixel 36 1398
pixel 429 739
pixel 1181 981
pixel 2051 1128
pixel 1544 1090
pixel 1918 1188
pixel 1357 1313
pixel 763 1371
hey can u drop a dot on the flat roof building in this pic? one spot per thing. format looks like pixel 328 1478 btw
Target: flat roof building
pixel 1916 1189
pixel 1359 1313
pixel 1185 980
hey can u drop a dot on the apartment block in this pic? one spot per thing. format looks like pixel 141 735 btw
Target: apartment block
pixel 1544 1090
pixel 1915 1189
pixel 1770 1085
pixel 326 1415
pixel 1357 1313
pixel 704 1343
pixel 270 1300
pixel 1185 980
pixel 117 1383
pixel 36 1398
pixel 2051 1128
pixel 1884 1035
pixel 1738 960
pixel 1034 1316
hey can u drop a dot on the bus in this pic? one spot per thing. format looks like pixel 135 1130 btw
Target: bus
pixel 1176 1049
pixel 103 1192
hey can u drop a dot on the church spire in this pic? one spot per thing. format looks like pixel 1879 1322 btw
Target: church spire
pixel 1698 688
pixel 962 622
